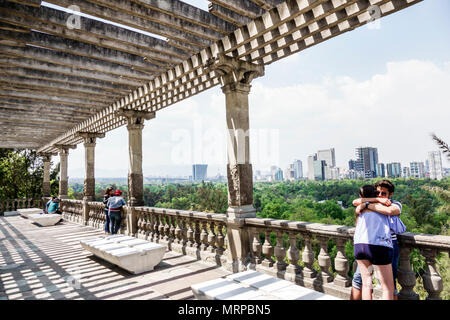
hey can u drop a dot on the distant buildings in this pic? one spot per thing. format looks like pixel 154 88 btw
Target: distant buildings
pixel 278 175
pixel 406 172
pixel 417 169
pixel 435 162
pixel 394 170
pixel 366 161
pixel 322 165
pixel 380 170
pixel 298 169
pixel 199 172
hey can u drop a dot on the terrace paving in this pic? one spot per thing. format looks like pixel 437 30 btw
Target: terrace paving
pixel 49 263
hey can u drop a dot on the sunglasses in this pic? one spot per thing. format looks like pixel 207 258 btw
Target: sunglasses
pixel 382 193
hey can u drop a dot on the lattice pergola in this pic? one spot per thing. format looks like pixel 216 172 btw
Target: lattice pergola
pixel 61 77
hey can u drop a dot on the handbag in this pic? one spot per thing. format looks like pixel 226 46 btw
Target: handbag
pixel 396 224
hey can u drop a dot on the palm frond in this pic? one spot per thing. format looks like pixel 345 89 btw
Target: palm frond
pixel 444 146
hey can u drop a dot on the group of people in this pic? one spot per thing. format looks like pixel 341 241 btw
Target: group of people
pixel 52 206
pixel 113 205
pixel 375 240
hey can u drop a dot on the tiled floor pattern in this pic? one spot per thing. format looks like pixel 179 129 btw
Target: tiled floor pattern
pixel 49 263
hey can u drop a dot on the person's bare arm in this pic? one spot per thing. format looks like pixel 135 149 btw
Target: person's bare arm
pixel 384 201
pixel 392 210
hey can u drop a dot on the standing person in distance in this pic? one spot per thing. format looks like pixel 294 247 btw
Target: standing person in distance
pixel 115 205
pixel 108 193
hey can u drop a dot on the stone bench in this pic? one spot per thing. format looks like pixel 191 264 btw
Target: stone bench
pixel 253 285
pixel 26 212
pixel 134 255
pixel 45 220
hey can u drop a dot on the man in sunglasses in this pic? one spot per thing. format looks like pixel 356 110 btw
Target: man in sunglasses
pixel 385 205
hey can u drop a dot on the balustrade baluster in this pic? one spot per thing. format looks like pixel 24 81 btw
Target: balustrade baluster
pixel 212 237
pixel 256 247
pixel 341 264
pixel 161 227
pixel 197 243
pixel 324 260
pixel 220 239
pixel 172 228
pixel 432 281
pixel 178 236
pixel 203 236
pixel 293 256
pixel 167 228
pixel 308 259
pixel 280 252
pixel 267 250
pixel 148 226
pixel 190 233
pixel 155 227
pixel 406 275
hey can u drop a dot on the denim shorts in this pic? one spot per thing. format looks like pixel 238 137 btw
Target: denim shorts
pixel 377 255
pixel 357 281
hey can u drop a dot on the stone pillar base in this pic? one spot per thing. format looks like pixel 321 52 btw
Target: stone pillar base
pixel 241 212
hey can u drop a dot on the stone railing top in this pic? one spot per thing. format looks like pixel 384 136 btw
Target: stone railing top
pixel 407 238
pixel 185 213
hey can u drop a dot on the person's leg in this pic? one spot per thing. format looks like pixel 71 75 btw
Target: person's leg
pixel 365 267
pixel 107 222
pixel 112 222
pixel 395 258
pixel 356 285
pixel 118 220
pixel 386 281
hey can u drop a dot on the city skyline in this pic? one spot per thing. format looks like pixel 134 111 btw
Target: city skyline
pixel 367 87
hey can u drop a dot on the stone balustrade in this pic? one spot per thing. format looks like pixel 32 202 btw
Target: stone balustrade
pixel 285 249
pixel 14 204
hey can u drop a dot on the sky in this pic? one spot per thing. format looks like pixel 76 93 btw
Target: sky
pixel 385 86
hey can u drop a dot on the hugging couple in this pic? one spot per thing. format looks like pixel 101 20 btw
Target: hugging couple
pixel 375 240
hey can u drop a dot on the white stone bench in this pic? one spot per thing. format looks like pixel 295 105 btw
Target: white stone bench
pixel 45 220
pixel 134 255
pixel 253 285
pixel 10 213
pixel 26 212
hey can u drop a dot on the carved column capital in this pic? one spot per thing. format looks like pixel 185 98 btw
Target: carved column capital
pixel 90 138
pixel 135 118
pixel 234 72
pixel 64 148
pixel 47 156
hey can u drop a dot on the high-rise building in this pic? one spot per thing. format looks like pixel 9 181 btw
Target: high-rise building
pixel 298 169
pixel 319 169
pixel 406 172
pixel 367 159
pixel 199 172
pixel 352 165
pixel 435 161
pixel 394 170
pixel 327 155
pixel 311 160
pixel 289 173
pixel 380 170
pixel 278 175
pixel 417 169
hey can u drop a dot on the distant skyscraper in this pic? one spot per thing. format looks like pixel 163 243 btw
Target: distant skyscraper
pixel 367 159
pixel 394 170
pixel 435 161
pixel 417 169
pixel 352 165
pixel 199 172
pixel 380 170
pixel 406 172
pixel 311 160
pixel 289 173
pixel 319 170
pixel 278 175
pixel 327 155
pixel 298 169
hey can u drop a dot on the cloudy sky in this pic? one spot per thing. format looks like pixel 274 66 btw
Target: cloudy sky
pixel 386 87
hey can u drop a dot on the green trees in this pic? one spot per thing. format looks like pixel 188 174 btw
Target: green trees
pixel 21 174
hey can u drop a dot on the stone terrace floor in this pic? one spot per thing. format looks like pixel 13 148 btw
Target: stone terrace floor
pixel 49 263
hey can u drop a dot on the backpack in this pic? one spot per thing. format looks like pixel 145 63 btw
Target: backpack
pixel 396 224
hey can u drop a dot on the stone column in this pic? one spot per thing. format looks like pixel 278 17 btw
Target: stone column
pixel 135 124
pixel 46 190
pixel 236 76
pixel 89 161
pixel 63 178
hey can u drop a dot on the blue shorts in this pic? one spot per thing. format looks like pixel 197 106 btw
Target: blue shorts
pixel 357 281
pixel 377 255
